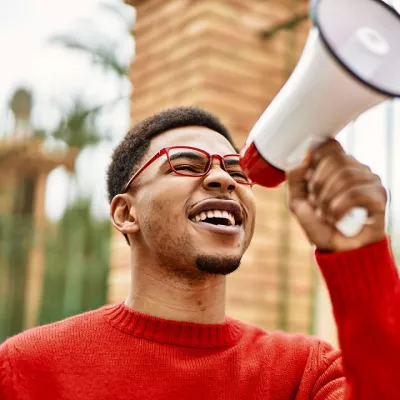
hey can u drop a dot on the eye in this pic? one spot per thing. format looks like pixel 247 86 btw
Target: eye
pixel 189 168
pixel 239 176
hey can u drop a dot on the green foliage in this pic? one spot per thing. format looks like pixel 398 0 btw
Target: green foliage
pixel 287 26
pixel 77 250
pixel 15 241
pixel 100 48
pixel 77 127
pixel 100 54
pixel 21 102
pixel 76 269
pixel 77 265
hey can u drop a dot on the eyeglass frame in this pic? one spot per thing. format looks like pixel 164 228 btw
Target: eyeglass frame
pixel 165 151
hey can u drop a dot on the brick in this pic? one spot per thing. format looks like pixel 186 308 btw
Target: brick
pixel 212 56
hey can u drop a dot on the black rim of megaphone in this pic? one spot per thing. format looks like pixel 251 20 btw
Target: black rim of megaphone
pixel 314 17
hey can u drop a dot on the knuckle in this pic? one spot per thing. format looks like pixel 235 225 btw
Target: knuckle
pixel 385 193
pixel 382 199
pixel 326 149
pixel 377 179
pixel 368 169
pixel 377 204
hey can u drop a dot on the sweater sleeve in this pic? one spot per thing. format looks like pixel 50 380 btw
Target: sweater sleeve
pixel 365 293
pixel 5 374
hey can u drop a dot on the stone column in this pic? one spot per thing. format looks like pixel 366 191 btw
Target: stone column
pixel 210 54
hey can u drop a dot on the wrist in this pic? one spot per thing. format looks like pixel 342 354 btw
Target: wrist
pixel 337 244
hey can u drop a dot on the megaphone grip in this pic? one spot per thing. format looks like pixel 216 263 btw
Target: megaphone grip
pixel 353 222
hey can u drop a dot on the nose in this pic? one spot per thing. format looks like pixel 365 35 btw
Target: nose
pixel 218 179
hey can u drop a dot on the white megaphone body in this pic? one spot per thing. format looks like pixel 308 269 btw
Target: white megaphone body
pixel 351 62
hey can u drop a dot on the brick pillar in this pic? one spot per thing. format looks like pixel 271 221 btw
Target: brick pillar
pixel 210 54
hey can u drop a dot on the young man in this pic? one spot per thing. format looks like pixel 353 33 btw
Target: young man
pixel 187 211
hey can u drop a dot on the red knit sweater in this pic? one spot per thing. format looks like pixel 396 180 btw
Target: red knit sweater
pixel 116 353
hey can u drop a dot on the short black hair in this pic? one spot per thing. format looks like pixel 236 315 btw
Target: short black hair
pixel 130 152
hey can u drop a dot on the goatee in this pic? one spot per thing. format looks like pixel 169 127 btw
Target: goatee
pixel 218 265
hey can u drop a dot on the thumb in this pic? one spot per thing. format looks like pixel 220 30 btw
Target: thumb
pixel 297 180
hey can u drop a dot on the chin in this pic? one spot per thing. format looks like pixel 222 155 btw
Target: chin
pixel 218 264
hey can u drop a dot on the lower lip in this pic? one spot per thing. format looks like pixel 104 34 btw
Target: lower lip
pixel 219 229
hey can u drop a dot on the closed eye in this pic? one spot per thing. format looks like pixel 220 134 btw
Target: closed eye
pixel 189 168
pixel 239 175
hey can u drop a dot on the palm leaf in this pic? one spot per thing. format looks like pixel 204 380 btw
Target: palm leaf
pixel 101 55
pixel 77 128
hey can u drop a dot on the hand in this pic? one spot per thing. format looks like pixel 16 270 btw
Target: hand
pixel 327 185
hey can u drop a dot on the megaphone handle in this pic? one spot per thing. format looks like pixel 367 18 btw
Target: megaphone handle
pixel 353 222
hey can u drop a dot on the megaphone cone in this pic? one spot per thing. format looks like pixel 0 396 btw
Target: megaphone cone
pixel 350 63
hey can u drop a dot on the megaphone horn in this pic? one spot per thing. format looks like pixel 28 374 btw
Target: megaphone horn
pixel 350 63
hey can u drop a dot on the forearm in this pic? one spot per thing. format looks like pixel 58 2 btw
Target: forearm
pixel 365 293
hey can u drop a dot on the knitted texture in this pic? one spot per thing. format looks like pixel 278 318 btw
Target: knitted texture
pixel 117 353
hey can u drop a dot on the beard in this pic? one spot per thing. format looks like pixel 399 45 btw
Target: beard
pixel 217 265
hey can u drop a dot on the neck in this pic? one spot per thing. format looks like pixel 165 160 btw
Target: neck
pixel 158 292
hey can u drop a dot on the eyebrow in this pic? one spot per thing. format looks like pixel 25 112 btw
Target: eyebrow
pixel 231 161
pixel 189 154
pixel 182 154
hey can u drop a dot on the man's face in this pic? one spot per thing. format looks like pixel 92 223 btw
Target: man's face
pixel 187 221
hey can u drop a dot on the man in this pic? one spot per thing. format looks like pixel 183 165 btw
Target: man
pixel 187 212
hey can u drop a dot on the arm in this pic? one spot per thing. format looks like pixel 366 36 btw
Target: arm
pixel 360 272
pixel 364 289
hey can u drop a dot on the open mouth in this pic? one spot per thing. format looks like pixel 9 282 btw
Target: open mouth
pixel 216 217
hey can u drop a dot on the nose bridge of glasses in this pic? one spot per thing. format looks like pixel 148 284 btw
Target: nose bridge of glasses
pixel 217 159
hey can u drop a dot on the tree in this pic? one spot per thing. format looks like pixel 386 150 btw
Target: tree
pixel 103 51
pixel 77 127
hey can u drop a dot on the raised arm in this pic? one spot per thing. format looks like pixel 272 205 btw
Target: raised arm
pixel 360 272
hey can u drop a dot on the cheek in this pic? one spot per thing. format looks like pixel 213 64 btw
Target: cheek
pixel 250 203
pixel 162 215
pixel 163 227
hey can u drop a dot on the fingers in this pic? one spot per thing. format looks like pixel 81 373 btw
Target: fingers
pixel 337 182
pixel 325 188
pixel 330 147
pixel 297 181
pixel 368 195
pixel 327 168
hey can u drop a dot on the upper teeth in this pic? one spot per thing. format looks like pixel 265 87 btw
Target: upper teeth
pixel 214 214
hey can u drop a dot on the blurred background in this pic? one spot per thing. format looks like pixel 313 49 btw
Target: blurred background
pixel 75 75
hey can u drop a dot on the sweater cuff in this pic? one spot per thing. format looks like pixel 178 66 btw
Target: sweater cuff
pixel 358 276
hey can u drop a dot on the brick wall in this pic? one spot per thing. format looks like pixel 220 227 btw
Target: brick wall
pixel 210 54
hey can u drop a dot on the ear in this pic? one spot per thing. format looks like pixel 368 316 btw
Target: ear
pixel 123 214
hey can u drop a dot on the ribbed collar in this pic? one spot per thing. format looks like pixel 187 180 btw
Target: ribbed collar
pixel 178 333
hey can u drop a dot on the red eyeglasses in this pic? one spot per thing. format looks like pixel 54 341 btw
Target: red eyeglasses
pixel 194 162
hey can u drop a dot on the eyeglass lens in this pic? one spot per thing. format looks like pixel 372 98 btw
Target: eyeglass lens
pixel 195 163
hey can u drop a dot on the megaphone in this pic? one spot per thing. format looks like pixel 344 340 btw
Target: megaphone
pixel 350 63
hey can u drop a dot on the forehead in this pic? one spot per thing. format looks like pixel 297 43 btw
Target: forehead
pixel 195 136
